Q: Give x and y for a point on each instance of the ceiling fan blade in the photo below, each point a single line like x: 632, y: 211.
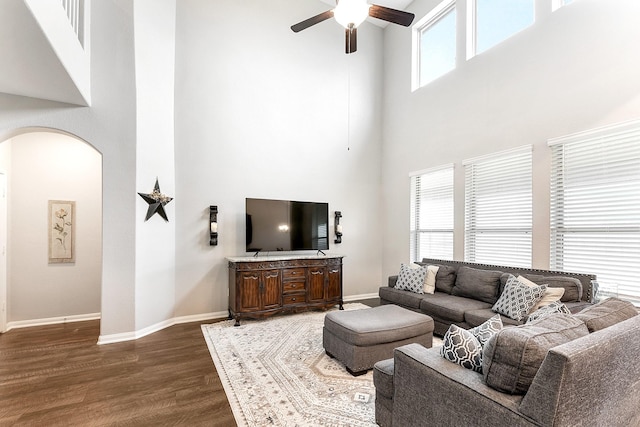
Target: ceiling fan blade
x: 312, y: 21
x: 391, y: 15
x: 351, y: 39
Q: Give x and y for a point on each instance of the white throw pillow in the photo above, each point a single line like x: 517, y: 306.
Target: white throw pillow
x: 430, y: 279
x: 549, y: 296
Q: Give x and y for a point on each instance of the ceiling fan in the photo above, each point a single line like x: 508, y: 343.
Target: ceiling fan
x: 351, y: 13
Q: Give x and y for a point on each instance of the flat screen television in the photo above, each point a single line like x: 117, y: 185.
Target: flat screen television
x: 286, y: 225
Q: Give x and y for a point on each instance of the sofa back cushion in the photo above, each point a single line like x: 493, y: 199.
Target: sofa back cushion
x: 572, y: 286
x: 607, y: 313
x: 513, y: 356
x: 445, y: 278
x: 482, y: 285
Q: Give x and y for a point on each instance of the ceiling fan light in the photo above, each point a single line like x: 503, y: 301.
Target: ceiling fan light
x: 351, y: 12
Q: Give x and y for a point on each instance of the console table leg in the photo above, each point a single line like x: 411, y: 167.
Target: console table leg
x: 237, y: 322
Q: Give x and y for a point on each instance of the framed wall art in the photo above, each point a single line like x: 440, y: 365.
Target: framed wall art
x: 62, y: 231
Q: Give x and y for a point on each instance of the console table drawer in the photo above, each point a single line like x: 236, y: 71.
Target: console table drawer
x: 293, y: 299
x: 293, y: 273
x: 289, y: 287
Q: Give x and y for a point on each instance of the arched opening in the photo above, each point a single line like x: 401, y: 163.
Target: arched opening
x: 39, y: 284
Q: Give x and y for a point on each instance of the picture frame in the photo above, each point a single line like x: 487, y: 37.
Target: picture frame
x: 62, y: 231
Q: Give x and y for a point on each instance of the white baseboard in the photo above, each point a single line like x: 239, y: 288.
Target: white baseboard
x: 52, y: 321
x: 129, y: 336
x: 360, y: 297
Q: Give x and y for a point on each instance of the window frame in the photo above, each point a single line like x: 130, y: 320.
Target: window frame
x: 472, y: 29
x: 612, y: 242
x: 487, y: 210
x: 415, y: 228
x: 429, y: 20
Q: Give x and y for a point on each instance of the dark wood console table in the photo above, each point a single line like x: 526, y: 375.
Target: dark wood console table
x: 263, y: 286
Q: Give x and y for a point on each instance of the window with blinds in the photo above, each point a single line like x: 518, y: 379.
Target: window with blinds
x: 595, y: 207
x: 498, y: 208
x: 432, y: 214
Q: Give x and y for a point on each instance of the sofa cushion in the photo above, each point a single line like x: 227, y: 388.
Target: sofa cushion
x: 518, y: 298
x: 487, y: 329
x: 533, y: 277
x: 404, y: 298
x: 445, y: 278
x: 547, y: 310
x: 513, y: 356
x: 476, y: 317
x: 482, y: 285
x: 411, y: 278
x: 449, y: 308
x: 607, y: 313
x: 383, y: 377
x: 572, y: 286
x: 462, y: 347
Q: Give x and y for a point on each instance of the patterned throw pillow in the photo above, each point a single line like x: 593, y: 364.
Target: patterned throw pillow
x: 550, y: 295
x: 411, y: 279
x: 517, y: 299
x: 554, y: 307
x: 488, y: 329
x: 461, y: 347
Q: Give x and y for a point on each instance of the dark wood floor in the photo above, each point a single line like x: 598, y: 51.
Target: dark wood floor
x: 58, y: 376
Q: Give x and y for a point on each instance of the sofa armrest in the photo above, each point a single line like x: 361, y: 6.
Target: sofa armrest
x: 430, y: 390
x: 392, y: 281
x: 593, y: 380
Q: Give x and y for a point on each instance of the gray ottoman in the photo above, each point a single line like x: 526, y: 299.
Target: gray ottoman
x: 360, y: 338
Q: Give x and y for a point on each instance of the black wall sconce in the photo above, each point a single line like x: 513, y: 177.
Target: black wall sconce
x: 213, y: 221
x: 338, y: 227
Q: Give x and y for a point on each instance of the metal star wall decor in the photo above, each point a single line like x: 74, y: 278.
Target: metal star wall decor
x: 156, y: 201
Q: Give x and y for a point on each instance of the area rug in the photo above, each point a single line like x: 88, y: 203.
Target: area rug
x: 276, y: 373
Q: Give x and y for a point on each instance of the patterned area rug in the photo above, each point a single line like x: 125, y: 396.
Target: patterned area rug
x: 276, y: 373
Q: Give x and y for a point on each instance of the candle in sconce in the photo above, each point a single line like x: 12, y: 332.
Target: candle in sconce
x: 214, y: 227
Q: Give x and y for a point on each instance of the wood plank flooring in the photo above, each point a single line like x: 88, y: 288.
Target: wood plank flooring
x: 58, y: 376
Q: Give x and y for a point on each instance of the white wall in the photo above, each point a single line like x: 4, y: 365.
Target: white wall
x: 109, y: 126
x: 48, y: 166
x: 573, y: 70
x: 155, y: 238
x: 262, y: 112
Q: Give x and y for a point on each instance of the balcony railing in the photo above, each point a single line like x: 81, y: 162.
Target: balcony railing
x: 75, y: 13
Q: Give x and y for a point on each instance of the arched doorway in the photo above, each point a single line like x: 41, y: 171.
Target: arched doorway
x: 40, y: 287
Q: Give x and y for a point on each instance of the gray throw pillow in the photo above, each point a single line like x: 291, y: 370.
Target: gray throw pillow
x: 481, y: 285
x: 518, y: 299
x: 512, y: 357
x: 607, y: 313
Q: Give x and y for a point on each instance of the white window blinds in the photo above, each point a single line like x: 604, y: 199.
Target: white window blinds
x: 498, y: 208
x: 595, y: 207
x: 432, y: 214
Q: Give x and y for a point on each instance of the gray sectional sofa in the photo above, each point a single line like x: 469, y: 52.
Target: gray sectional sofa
x: 559, y: 371
x: 465, y: 292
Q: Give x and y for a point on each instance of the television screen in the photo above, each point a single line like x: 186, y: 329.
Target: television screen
x: 284, y: 225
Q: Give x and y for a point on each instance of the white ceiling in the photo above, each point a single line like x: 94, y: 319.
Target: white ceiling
x: 394, y: 4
